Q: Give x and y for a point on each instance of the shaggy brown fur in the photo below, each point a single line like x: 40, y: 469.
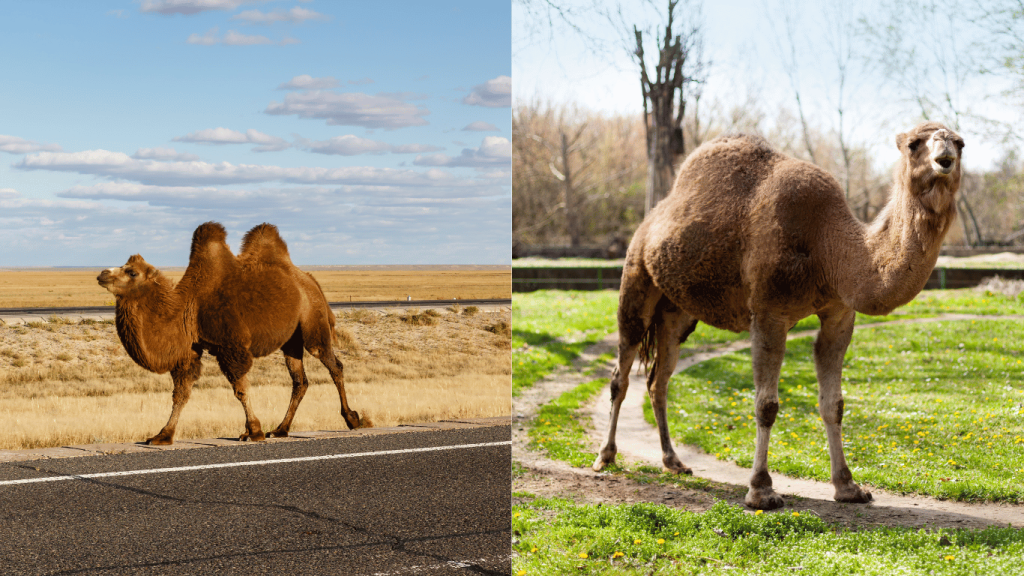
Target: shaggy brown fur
x: 751, y: 239
x: 235, y: 308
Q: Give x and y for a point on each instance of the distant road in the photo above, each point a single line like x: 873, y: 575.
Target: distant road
x: 391, y: 504
x: 91, y: 310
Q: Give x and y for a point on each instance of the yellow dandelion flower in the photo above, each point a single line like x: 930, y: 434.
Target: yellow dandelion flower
x: 637, y: 541
x: 759, y: 512
x: 796, y: 513
x: 583, y: 555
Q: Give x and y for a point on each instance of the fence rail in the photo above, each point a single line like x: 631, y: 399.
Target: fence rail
x: 601, y: 278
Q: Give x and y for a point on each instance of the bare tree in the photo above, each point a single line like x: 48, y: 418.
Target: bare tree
x: 785, y: 38
x: 664, y: 87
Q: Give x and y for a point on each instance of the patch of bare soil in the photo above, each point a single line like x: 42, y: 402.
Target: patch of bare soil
x: 637, y: 441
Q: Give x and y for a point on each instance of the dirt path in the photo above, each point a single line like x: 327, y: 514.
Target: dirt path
x: 638, y: 442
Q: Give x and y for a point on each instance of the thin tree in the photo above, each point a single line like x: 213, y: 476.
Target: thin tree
x: 664, y: 98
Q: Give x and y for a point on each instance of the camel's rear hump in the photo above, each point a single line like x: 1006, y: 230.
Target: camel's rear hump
x: 263, y: 244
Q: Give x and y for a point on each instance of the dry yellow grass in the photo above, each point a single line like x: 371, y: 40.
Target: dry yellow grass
x: 41, y: 288
x: 63, y: 384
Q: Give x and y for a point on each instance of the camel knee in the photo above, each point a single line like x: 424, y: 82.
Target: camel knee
x: 766, y: 412
x: 832, y: 412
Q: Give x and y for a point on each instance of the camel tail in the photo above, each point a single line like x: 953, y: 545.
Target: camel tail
x: 648, y: 348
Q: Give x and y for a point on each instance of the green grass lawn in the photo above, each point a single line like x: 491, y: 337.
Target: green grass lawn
x: 931, y: 409
x: 934, y: 409
x: 550, y: 328
x: 559, y: 537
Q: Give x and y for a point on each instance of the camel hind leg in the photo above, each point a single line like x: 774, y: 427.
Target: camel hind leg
x: 637, y: 299
x: 184, y: 376
x: 318, y: 342
x: 673, y: 326
x: 293, y: 361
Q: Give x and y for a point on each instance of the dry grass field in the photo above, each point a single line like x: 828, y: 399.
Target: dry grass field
x: 45, y: 287
x: 72, y: 383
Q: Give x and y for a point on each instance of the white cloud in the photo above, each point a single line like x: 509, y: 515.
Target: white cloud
x: 233, y: 38
x: 163, y: 154
x: 188, y: 7
x: 7, y: 193
x: 494, y: 152
x: 266, y: 142
x: 208, y: 39
x: 495, y: 93
x: 15, y: 145
x: 415, y: 148
x: 351, y: 109
x: 361, y: 81
x: 307, y: 82
x: 351, y: 145
x: 481, y: 126
x: 348, y: 145
x: 296, y: 16
x: 121, y: 166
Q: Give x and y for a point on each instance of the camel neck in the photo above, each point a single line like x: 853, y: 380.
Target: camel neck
x: 902, y: 246
x: 157, y: 313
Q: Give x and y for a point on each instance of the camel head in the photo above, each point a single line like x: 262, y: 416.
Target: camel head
x: 129, y: 279
x: 930, y: 166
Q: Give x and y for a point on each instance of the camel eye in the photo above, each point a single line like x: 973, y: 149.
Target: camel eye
x: 914, y: 145
x: 133, y: 273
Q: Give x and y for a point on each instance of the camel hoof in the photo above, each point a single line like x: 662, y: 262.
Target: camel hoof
x: 853, y: 495
x: 352, y: 420
x: 673, y: 465
x: 763, y: 499
x: 160, y: 440
x: 278, y: 433
x: 257, y: 437
x: 604, y: 458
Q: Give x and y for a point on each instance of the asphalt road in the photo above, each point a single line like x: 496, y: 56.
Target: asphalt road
x: 434, y: 504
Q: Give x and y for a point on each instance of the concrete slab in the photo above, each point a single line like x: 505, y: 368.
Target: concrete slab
x: 113, y: 448
x: 445, y: 425
x: 59, y: 452
x: 493, y: 421
x: 16, y: 456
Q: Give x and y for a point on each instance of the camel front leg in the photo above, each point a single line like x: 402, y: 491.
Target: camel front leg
x: 235, y: 364
x: 184, y: 377
x: 674, y: 327
x: 829, y: 350
x: 768, y: 347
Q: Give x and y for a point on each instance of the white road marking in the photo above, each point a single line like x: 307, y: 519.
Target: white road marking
x: 250, y: 463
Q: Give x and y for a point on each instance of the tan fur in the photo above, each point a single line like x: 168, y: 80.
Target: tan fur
x: 235, y: 308
x: 751, y: 239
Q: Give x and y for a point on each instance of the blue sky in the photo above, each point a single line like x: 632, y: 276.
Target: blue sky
x: 369, y: 133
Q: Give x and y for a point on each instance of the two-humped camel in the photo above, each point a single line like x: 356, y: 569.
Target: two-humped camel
x: 751, y: 239
x: 235, y: 308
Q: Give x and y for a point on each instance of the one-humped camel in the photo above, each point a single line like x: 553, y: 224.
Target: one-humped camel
x: 235, y: 308
x: 751, y: 239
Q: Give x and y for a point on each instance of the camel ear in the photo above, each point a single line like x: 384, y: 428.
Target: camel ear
x: 901, y: 141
